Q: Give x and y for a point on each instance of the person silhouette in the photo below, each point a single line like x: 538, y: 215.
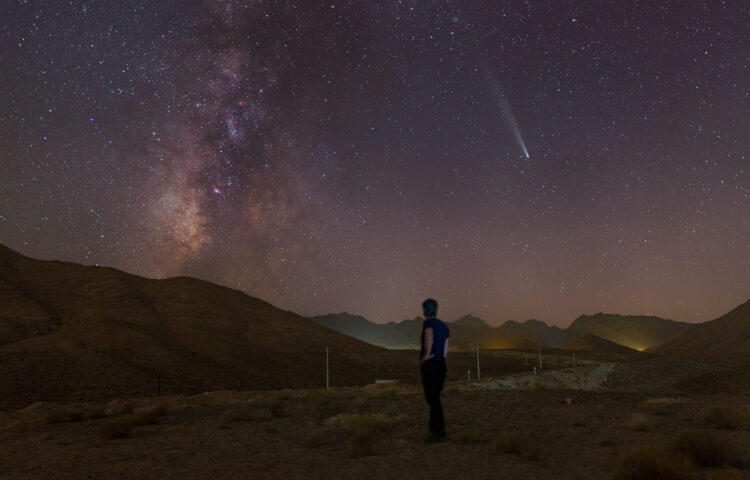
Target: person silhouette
x: 434, y: 341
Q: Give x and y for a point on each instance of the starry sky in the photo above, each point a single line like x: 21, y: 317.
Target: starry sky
x: 512, y: 159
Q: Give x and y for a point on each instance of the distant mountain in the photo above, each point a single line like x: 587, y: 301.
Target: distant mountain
x: 633, y: 331
x: 726, y: 336
x: 470, y: 321
x: 593, y: 343
x: 537, y: 330
x: 69, y: 328
x: 468, y: 331
x: 393, y: 335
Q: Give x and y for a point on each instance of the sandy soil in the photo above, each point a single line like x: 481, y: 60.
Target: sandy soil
x: 566, y: 432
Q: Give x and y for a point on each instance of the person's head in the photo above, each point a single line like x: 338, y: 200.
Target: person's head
x: 429, y: 307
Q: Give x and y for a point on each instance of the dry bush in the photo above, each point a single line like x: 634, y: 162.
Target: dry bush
x: 279, y: 409
x: 21, y: 426
x: 96, y: 413
x: 123, y: 427
x: 314, y: 440
x: 118, y: 428
x: 126, y: 408
x: 705, y: 446
x: 639, y: 422
x: 452, y: 390
x: 653, y: 462
x: 246, y: 413
x: 725, y: 474
x: 76, y: 415
x: 723, y: 418
x: 57, y: 416
x: 662, y: 410
x: 471, y: 436
x: 388, y: 392
x: 270, y: 428
x: 151, y: 416
x: 362, y: 430
x: 517, y: 443
x: 327, y: 408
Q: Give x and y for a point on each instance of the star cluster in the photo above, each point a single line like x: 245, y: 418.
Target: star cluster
x: 514, y: 160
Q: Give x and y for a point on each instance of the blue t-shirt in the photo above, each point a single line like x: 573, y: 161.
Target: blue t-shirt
x: 440, y: 333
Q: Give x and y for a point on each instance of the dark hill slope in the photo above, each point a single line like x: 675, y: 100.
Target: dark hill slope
x: 726, y: 336
x: 592, y: 343
x: 634, y: 331
x: 74, y: 332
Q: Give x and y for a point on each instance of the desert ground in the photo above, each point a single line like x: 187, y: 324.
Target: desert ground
x: 639, y: 417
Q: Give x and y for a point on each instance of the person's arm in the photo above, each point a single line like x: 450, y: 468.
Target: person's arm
x: 428, y: 339
x: 445, y: 350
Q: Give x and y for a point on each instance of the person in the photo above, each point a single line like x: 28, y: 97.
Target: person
x: 434, y: 340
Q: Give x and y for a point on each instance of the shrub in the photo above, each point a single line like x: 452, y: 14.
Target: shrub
x: 96, y: 413
x: 704, y: 446
x: 638, y: 422
x: 653, y: 462
x: 151, y: 416
x: 58, y: 416
x: 279, y: 410
x: 123, y: 427
x: 246, y: 413
x: 388, y: 392
x: 75, y: 415
x: 471, y: 436
x: 518, y: 443
x: 126, y: 408
x: 315, y: 439
x: 327, y: 408
x: 723, y: 419
x: 362, y: 429
x: 118, y: 428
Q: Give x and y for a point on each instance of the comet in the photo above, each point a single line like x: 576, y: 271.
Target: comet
x: 502, y: 102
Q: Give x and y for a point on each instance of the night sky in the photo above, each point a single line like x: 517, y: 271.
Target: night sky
x: 512, y: 159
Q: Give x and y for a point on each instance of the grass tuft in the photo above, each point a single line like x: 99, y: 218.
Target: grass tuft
x: 653, y: 462
x: 707, y: 447
x: 471, y: 436
x: 388, y: 393
x: 516, y: 443
x: 639, y: 422
x: 362, y: 430
x: 123, y: 427
x: 723, y: 418
x: 57, y: 416
x: 315, y: 440
x: 151, y: 416
x: 279, y: 410
x: 118, y: 428
x: 246, y: 413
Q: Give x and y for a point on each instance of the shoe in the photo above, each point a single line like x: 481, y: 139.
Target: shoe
x: 436, y: 437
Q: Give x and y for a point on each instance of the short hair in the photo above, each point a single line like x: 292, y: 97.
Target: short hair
x: 429, y: 307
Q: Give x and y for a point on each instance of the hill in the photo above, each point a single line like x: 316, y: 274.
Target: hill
x: 726, y: 336
x: 470, y: 321
x: 634, y: 331
x: 69, y: 331
x: 392, y: 335
x: 537, y: 330
x: 466, y: 332
x: 592, y: 343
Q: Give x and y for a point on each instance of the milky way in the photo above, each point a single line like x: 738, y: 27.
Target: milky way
x: 355, y: 156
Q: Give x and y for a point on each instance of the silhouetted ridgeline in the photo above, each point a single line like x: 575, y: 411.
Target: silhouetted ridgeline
x: 726, y: 336
x: 632, y: 331
x: 75, y: 332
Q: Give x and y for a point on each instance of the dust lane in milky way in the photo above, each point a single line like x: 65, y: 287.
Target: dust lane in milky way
x: 354, y: 156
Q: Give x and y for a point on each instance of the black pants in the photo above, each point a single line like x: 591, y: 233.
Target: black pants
x: 433, y: 377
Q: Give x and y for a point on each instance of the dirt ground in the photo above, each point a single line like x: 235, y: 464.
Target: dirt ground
x: 535, y: 430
